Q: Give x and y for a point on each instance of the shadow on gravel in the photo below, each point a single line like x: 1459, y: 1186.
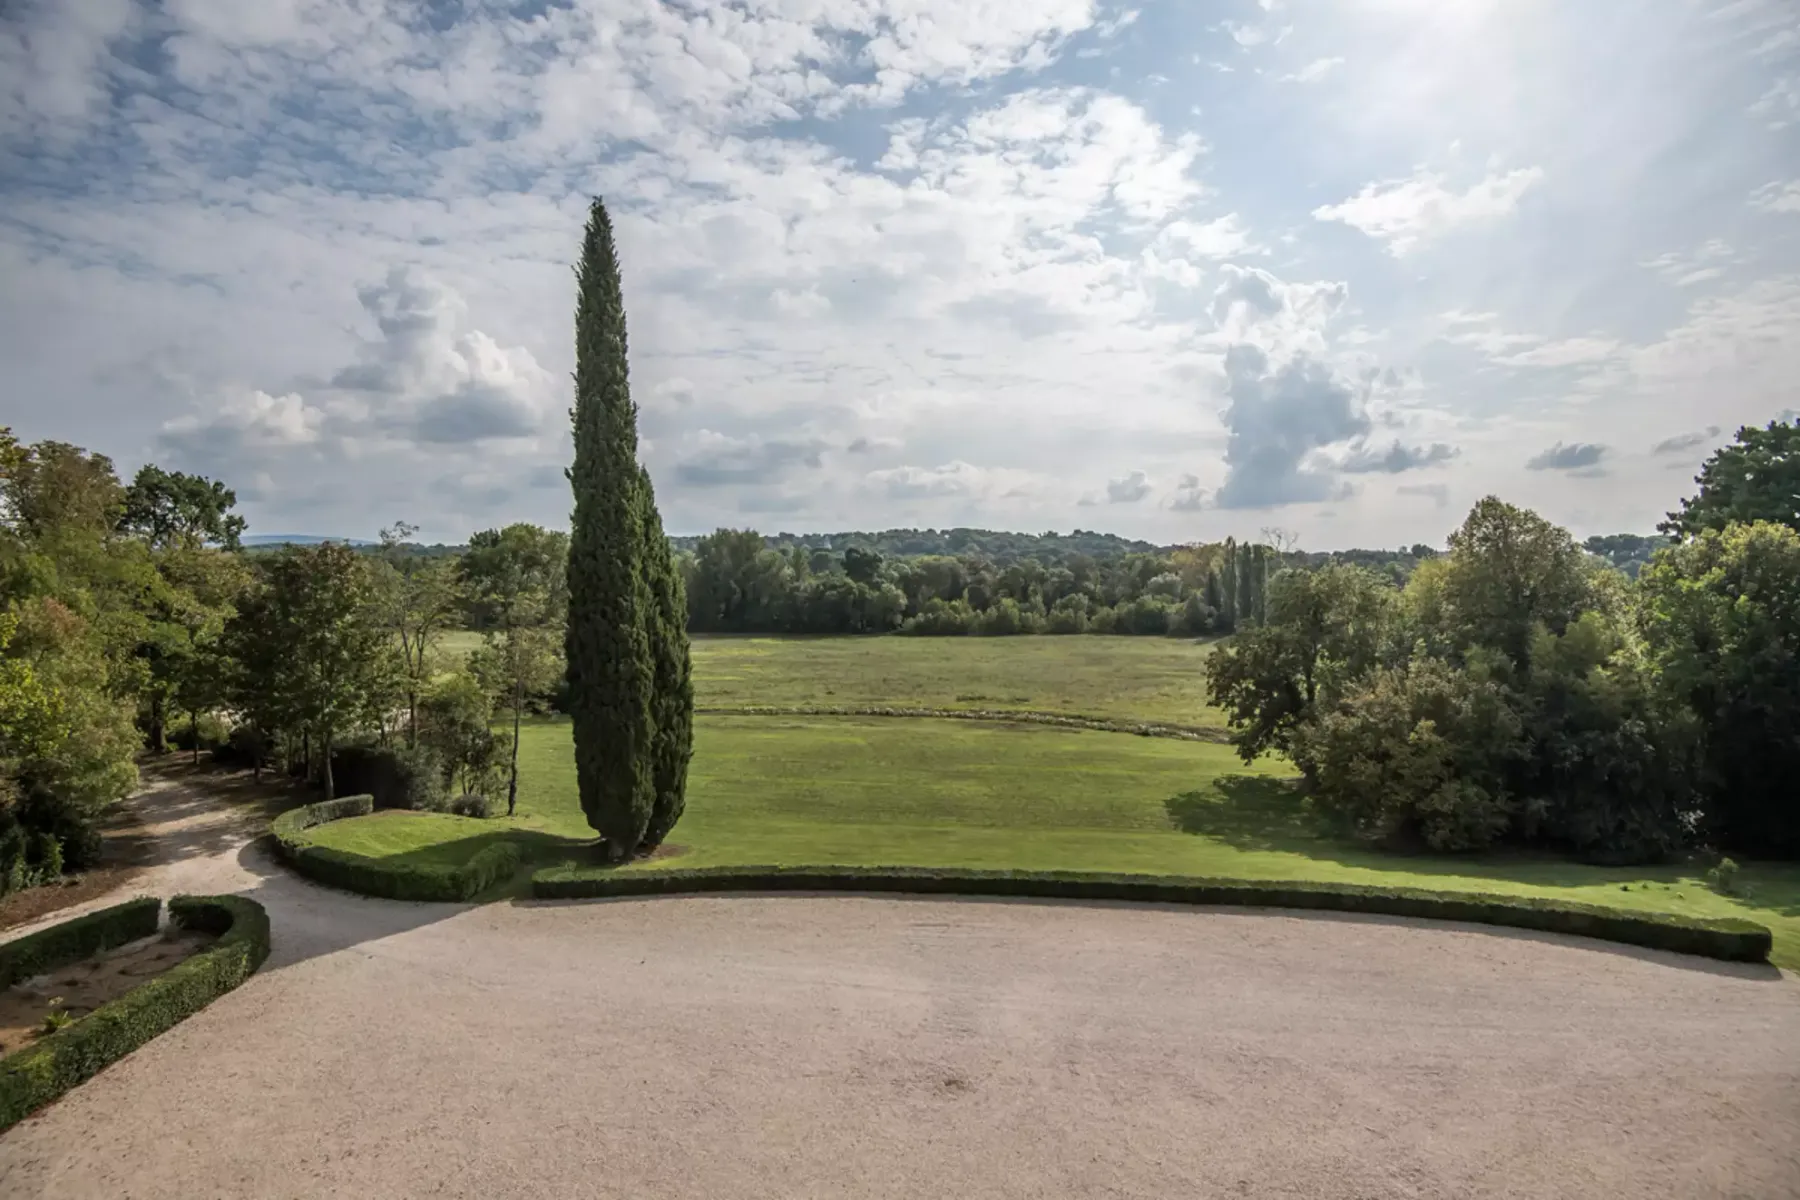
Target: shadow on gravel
x: 1760, y: 972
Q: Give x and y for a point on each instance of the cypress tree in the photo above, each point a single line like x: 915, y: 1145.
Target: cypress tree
x: 1246, y: 584
x: 673, y: 706
x: 611, y: 667
x: 1229, y: 582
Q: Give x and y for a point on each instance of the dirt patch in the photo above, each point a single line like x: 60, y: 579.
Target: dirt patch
x: 79, y: 988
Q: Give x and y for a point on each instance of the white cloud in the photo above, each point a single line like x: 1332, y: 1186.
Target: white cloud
x: 1777, y: 197
x: 1313, y: 71
x: 1405, y: 213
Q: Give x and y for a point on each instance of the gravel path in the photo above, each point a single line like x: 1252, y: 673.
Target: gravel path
x: 795, y: 1046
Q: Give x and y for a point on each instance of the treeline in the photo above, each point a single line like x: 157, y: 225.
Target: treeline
x: 1520, y: 691
x: 997, y: 546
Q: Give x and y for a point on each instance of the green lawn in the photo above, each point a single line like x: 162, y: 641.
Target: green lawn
x: 1123, y: 678
x: 917, y: 792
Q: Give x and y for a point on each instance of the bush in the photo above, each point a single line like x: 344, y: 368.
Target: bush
x: 40, y: 1073
x: 71, y: 941
x: 212, y: 731
x: 1723, y: 878
x: 375, y: 877
x: 1724, y: 938
x: 245, y: 746
x: 41, y: 836
x: 395, y: 776
x: 472, y: 804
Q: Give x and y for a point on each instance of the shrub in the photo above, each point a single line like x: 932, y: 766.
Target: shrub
x: 1724, y: 938
x: 245, y: 746
x: 40, y: 1073
x: 375, y: 877
x: 472, y: 804
x: 395, y: 776
x: 211, y: 730
x: 1723, y: 878
x: 71, y: 941
x: 42, y: 811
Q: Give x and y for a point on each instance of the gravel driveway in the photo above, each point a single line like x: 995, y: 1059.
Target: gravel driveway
x: 803, y: 1046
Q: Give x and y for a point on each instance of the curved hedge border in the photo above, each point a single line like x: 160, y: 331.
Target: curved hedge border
x: 375, y: 877
x: 70, y: 941
x: 32, y: 1077
x: 1018, y: 716
x: 1727, y: 938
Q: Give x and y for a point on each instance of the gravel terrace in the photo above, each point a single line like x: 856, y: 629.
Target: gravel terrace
x: 807, y: 1046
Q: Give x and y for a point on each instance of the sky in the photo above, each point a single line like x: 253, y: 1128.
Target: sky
x: 1173, y: 270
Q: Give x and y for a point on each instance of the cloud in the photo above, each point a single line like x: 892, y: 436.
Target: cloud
x: 1406, y: 213
x: 1778, y: 197
x: 953, y: 479
x: 1396, y: 458
x: 1128, y: 490
x: 1708, y: 261
x: 1313, y: 71
x: 864, y: 444
x: 1684, y: 442
x: 1575, y: 456
x: 1188, y: 495
x: 1277, y: 416
x: 718, y: 459
x: 1437, y: 493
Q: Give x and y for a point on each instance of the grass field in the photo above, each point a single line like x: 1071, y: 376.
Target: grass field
x: 921, y: 792
x: 1121, y: 678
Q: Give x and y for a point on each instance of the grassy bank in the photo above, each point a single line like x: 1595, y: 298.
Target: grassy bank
x: 872, y: 792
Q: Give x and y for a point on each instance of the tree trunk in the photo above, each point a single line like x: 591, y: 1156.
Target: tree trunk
x: 194, y: 731
x: 412, y: 719
x: 325, y: 740
x: 158, y: 742
x: 512, y: 783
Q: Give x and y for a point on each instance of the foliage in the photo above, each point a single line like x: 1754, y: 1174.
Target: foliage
x: 169, y: 509
x: 1756, y: 478
x: 1729, y: 939
x: 1723, y: 877
x: 419, y: 598
x: 73, y: 940
x: 471, y: 804
x: 396, y: 776
x: 35, y: 1076
x: 610, y: 663
x: 672, y: 705
x: 1721, y: 615
x: 517, y: 578
x: 310, y: 649
x: 1510, y: 571
x: 456, y: 723
x: 1324, y: 631
x: 1417, y: 754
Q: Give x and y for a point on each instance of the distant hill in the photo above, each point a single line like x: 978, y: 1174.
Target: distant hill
x: 996, y: 545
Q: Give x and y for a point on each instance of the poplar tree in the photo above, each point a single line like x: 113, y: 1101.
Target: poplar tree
x: 611, y: 663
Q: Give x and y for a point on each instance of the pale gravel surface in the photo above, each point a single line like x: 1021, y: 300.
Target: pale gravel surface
x: 793, y: 1046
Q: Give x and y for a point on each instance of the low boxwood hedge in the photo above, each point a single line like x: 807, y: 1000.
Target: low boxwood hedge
x: 71, y: 941
x: 380, y: 877
x: 1727, y: 938
x: 38, y: 1074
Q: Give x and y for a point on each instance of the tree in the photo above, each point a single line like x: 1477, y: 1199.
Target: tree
x: 1326, y: 630
x: 329, y: 659
x: 1757, y: 478
x: 1510, y: 571
x: 517, y: 577
x: 456, y: 724
x: 1721, y: 615
x: 673, y: 704
x: 420, y: 595
x: 168, y: 508
x: 610, y: 662
x: 1417, y: 753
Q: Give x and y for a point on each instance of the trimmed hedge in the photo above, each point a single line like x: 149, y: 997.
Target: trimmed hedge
x: 378, y: 877
x: 38, y: 1074
x: 1712, y: 937
x: 71, y: 941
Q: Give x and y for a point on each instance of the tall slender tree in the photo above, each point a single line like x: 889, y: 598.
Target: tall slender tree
x: 673, y: 707
x: 1228, y: 580
x: 610, y: 663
